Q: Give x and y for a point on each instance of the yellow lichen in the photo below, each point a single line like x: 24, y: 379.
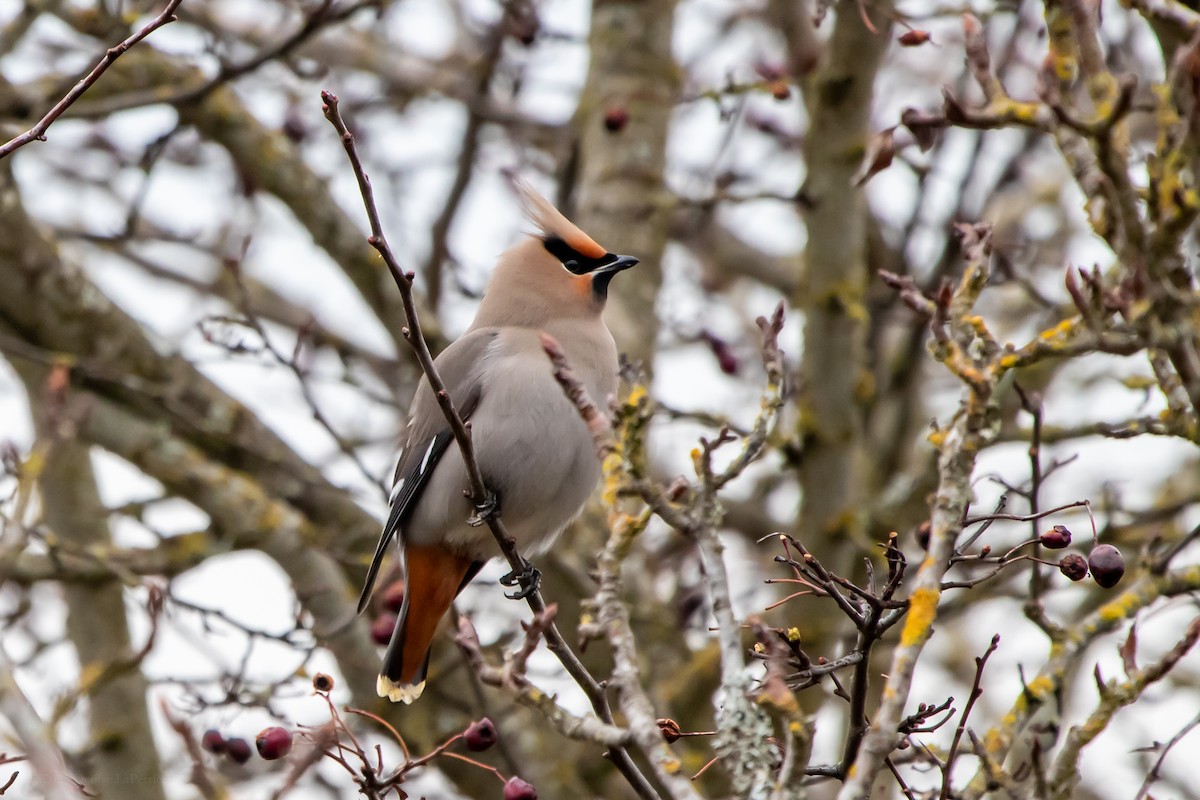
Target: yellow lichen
x: 612, y: 478
x: 91, y: 673
x: 1063, y: 53
x: 1061, y: 329
x: 636, y: 395
x: 1014, y: 110
x: 993, y: 742
x: 1119, y: 608
x: 922, y: 608
x: 1040, y: 687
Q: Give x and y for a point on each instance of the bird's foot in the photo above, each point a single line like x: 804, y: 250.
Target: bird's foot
x: 528, y: 578
x: 484, y: 511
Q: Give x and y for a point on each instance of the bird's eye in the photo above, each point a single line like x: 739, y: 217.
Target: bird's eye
x: 572, y: 265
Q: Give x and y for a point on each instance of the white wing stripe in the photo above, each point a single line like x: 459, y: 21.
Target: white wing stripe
x: 425, y: 460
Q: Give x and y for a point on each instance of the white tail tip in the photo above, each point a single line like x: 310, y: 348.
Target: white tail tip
x: 398, y: 692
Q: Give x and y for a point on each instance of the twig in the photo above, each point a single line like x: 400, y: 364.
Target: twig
x: 40, y: 749
x: 1152, y: 775
x: 626, y: 675
x: 321, y: 740
x: 613, y: 616
x: 742, y: 726
x: 817, y: 670
x: 598, y: 424
x: 485, y: 72
x: 292, y: 363
x: 1114, y: 697
x: 199, y: 775
x: 1033, y: 406
x: 919, y: 722
x: 891, y: 765
x: 588, y: 729
x: 1169, y: 11
x: 313, y: 22
x: 1026, y: 517
x: 38, y: 131
x: 976, y: 691
x: 960, y: 442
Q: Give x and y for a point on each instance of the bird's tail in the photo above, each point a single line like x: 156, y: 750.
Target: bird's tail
x: 434, y: 577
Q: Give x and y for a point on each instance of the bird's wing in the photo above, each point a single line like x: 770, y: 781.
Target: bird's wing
x: 428, y: 435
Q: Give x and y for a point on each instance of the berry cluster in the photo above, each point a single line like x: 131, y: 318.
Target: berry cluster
x: 481, y: 735
x: 1105, y: 562
x: 272, y: 743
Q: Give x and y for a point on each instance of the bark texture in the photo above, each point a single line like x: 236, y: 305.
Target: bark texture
x: 836, y: 378
x: 621, y: 199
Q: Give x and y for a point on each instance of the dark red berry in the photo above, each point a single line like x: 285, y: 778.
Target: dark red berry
x: 294, y: 126
x: 1056, y: 538
x: 1073, y: 566
x: 517, y: 789
x: 529, y: 36
x: 480, y: 735
x: 615, y: 119
x: 669, y: 729
x: 323, y: 683
x: 213, y: 741
x: 273, y: 743
x: 913, y: 38
x: 727, y: 360
x: 238, y: 750
x: 393, y: 596
x: 382, y: 627
x: 1107, y: 565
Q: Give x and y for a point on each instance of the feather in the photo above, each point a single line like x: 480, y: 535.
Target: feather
x: 427, y: 438
x: 550, y: 221
x: 434, y: 577
x: 404, y: 493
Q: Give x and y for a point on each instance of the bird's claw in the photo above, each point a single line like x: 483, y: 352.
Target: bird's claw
x: 483, y: 511
x: 528, y: 578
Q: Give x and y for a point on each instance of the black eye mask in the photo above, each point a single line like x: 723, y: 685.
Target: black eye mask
x: 575, y: 261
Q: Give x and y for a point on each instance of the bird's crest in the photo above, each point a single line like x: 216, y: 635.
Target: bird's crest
x: 550, y: 221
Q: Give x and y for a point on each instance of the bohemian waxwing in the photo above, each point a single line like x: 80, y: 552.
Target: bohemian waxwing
x: 535, y: 452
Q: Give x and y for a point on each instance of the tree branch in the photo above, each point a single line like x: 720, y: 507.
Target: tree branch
x: 38, y: 131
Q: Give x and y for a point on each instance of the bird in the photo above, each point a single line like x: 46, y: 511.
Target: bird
x: 534, y: 451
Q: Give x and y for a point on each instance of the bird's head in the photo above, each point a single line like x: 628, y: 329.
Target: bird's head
x: 558, y: 271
